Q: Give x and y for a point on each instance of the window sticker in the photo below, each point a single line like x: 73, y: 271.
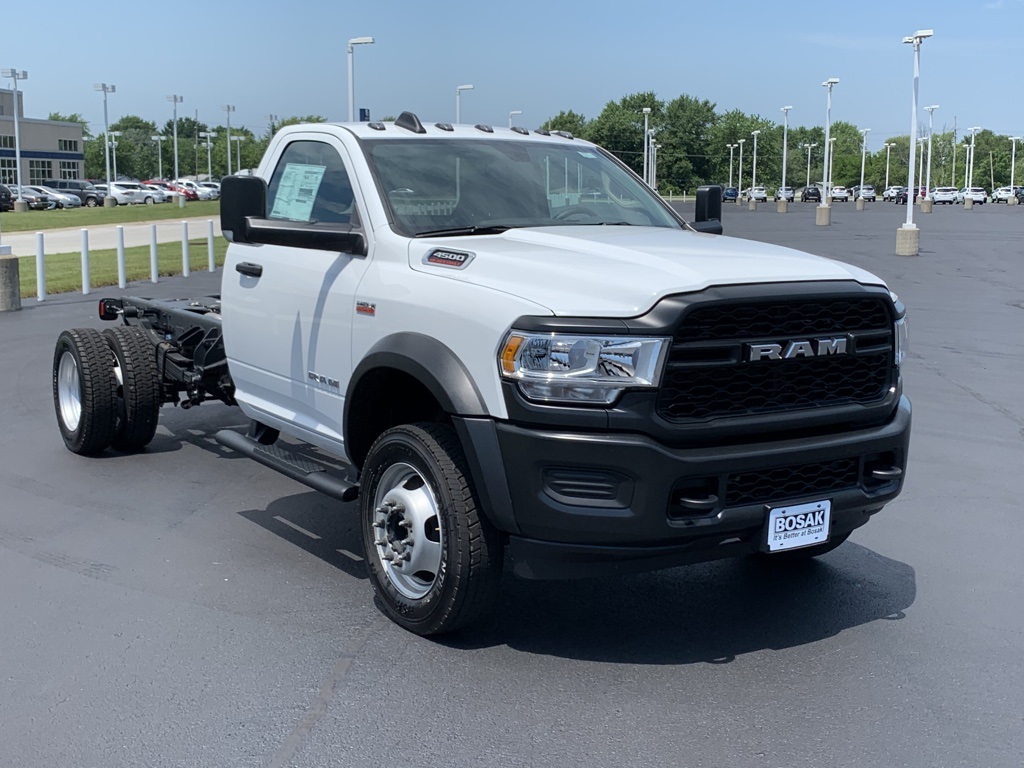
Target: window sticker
x: 297, y: 191
x: 589, y: 155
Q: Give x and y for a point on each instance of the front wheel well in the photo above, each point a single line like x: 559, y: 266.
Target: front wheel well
x: 384, y: 398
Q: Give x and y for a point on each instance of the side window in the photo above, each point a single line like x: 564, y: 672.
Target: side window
x: 310, y: 184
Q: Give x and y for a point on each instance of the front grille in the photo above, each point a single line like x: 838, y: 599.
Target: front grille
x: 706, y: 375
x: 767, y: 485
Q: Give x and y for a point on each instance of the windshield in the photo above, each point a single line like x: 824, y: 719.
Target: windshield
x: 452, y: 186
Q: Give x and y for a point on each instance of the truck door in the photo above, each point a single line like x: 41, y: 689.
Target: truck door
x: 288, y: 312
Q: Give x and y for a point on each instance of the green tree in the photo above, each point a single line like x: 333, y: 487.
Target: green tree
x: 620, y: 127
x: 570, y: 121
x: 74, y: 117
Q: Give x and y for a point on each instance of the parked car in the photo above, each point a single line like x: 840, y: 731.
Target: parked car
x: 37, y: 201
x: 124, y: 193
x: 810, y: 195
x: 977, y: 194
x: 160, y: 195
x: 215, y: 187
x: 757, y: 194
x: 201, y: 193
x: 1002, y: 194
x: 1018, y: 192
x: 59, y: 199
x: 784, y: 193
x: 840, y: 193
x: 730, y: 194
x: 84, y: 190
x: 945, y: 195
x: 6, y: 199
x: 891, y: 192
x: 867, y: 192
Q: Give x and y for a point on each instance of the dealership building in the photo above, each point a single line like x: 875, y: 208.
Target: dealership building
x: 50, y: 149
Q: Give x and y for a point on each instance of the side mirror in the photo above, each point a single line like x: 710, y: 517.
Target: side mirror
x: 708, y: 210
x: 241, y: 197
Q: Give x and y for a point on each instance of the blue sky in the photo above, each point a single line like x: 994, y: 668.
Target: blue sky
x: 540, y: 57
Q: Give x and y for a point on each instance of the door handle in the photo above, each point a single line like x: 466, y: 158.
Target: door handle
x: 248, y: 268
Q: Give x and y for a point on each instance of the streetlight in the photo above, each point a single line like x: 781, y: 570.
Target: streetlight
x: 863, y: 158
x: 731, y: 148
x: 1013, y: 165
x: 229, y: 109
x: 826, y: 196
x: 273, y: 122
x: 753, y: 176
x: 831, y: 162
x: 785, y: 145
x: 809, y: 147
x: 458, y: 100
x: 108, y: 201
x: 238, y: 150
x: 967, y: 161
x: 888, y: 153
x: 512, y: 114
x: 908, y: 236
x: 970, y: 175
x: 16, y: 75
x: 739, y: 174
x: 176, y: 100
x: 351, y: 81
x: 209, y: 165
x: 928, y: 178
x: 113, y: 146
x: 920, y: 167
x: 159, y: 139
x: 654, y: 164
x: 647, y: 114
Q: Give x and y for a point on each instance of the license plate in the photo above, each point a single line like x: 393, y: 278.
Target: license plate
x: 800, y: 525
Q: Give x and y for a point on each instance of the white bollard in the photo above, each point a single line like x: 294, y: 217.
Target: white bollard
x: 154, y: 266
x: 86, y: 289
x: 185, y: 271
x: 122, y: 270
x: 40, y: 268
x: 212, y: 262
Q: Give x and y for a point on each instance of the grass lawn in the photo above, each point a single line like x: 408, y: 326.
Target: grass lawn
x: 38, y: 221
x: 64, y: 271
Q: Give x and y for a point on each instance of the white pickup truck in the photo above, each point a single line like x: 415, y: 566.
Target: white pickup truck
x: 504, y: 345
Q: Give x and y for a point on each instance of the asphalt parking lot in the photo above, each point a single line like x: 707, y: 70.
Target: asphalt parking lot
x: 187, y: 607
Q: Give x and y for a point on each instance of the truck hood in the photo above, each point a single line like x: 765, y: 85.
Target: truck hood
x: 613, y: 271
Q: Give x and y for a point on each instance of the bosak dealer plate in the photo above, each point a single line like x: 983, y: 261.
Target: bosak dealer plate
x: 800, y: 525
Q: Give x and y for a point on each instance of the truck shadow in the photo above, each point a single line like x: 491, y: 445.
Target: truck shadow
x: 711, y: 613
x: 334, y: 524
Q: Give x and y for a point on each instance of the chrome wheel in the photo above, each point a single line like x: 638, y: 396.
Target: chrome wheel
x: 69, y: 391
x: 407, y: 531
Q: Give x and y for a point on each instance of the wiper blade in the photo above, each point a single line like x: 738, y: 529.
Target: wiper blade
x: 495, y: 229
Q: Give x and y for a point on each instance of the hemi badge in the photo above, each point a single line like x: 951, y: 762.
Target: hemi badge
x: 443, y: 258
x: 366, y: 308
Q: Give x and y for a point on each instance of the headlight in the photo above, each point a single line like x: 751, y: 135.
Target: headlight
x: 555, y: 367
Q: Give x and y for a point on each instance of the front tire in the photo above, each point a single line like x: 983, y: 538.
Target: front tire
x: 434, y: 560
x: 84, y: 390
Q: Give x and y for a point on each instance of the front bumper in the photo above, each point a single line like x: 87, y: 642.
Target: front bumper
x: 589, y: 503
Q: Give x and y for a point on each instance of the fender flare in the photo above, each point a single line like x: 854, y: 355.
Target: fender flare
x: 429, y: 361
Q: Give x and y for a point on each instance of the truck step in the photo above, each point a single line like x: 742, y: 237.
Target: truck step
x: 299, y: 468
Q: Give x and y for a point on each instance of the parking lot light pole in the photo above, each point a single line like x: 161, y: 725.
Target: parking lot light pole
x: 1012, y: 200
x: 159, y: 139
x: 238, y: 151
x: 176, y: 100
x: 739, y: 174
x: 967, y: 162
x: 512, y: 114
x: 458, y: 100
x: 823, y: 215
x: 970, y: 173
x: 863, y: 159
x: 16, y: 75
x: 908, y: 237
x: 753, y: 173
x: 229, y: 109
x: 114, y: 136
x: 809, y: 148
x: 785, y: 150
x: 928, y: 173
x: 108, y: 201
x: 647, y: 114
x: 731, y: 148
x: 351, y: 78
x: 888, y: 153
x: 208, y: 135
x: 831, y: 161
